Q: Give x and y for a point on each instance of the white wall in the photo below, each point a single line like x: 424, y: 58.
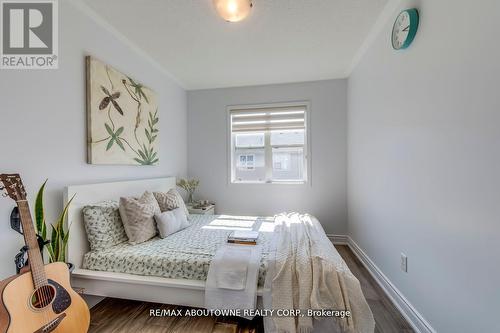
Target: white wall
x: 424, y: 162
x: 42, y: 117
x: 207, y: 152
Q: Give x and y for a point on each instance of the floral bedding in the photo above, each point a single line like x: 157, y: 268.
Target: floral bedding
x: 184, y: 255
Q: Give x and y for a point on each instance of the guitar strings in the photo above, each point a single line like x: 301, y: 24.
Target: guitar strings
x: 39, y: 292
x: 35, y: 274
x: 44, y: 300
x: 43, y: 293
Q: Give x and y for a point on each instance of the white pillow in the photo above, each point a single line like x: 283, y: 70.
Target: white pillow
x: 181, y: 217
x: 170, y: 222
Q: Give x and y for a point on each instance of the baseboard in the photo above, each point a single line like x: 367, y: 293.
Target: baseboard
x: 338, y: 239
x: 414, y: 318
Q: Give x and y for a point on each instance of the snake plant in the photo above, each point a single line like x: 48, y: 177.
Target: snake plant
x: 59, y: 235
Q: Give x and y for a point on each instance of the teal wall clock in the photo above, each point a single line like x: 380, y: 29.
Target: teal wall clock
x: 405, y: 29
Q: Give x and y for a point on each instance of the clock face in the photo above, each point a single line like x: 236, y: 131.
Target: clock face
x: 405, y: 29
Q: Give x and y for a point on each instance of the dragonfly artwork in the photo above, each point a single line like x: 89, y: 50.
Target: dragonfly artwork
x: 110, y: 98
x: 122, y: 118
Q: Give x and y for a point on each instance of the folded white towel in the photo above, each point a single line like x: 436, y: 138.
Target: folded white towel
x: 232, y: 277
x: 231, y: 271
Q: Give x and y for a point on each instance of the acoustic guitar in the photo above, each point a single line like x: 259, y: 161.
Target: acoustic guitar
x: 41, y: 300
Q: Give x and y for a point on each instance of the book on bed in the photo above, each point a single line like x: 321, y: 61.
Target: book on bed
x: 243, y: 237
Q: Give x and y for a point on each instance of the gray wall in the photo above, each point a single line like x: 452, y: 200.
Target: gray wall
x: 424, y: 162
x: 207, y: 152
x: 42, y: 121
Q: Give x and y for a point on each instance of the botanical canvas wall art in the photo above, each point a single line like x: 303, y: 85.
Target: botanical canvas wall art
x: 122, y: 118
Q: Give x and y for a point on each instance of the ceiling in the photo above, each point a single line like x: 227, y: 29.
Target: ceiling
x: 281, y: 40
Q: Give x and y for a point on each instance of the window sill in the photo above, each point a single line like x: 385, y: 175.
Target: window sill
x: 302, y: 182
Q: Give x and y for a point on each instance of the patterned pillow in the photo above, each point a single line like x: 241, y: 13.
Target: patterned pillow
x: 138, y: 217
x: 103, y: 225
x: 170, y: 201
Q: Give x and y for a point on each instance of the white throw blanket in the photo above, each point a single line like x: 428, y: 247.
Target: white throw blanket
x: 307, y: 272
x: 232, y: 277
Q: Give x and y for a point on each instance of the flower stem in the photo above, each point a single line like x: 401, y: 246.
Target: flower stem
x: 109, y: 116
x: 101, y: 140
x: 128, y: 144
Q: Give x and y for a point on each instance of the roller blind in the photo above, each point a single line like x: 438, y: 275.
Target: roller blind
x: 265, y: 119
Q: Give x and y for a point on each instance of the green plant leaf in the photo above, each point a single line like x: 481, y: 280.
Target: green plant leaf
x: 131, y: 81
x: 41, y: 228
x: 139, y: 90
x: 119, y: 131
x: 142, y: 154
x: 110, y: 131
x: 57, y: 242
x: 64, y: 214
x: 50, y: 251
x: 110, y: 143
x: 119, y: 143
x: 58, y: 232
x: 147, y: 135
x: 54, y: 242
x: 62, y: 254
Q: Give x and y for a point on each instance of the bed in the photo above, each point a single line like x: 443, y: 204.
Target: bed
x: 181, y: 289
x: 173, y: 270
x: 184, y: 255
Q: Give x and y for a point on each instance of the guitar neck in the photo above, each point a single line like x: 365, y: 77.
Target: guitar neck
x: 34, y: 255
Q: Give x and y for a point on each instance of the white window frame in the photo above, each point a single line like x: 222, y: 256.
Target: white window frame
x: 268, y: 148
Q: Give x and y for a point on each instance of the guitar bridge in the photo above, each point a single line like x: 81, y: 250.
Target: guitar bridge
x: 52, y: 325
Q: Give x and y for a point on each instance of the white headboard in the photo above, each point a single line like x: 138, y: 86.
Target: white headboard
x: 93, y: 193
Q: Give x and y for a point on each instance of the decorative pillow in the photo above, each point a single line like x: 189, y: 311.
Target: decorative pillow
x: 138, y: 217
x: 103, y: 225
x: 171, y: 200
x: 181, y: 216
x: 171, y: 221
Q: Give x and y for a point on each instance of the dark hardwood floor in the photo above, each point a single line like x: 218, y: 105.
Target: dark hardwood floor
x: 125, y: 316
x: 387, y: 317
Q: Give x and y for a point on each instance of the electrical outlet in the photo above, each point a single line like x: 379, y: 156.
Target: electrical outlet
x: 404, y: 262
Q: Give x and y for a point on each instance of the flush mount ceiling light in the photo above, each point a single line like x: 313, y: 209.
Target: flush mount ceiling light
x: 233, y: 10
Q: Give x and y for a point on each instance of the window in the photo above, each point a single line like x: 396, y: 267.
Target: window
x: 268, y: 145
x: 246, y: 162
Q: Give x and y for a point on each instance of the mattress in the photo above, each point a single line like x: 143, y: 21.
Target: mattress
x: 184, y: 255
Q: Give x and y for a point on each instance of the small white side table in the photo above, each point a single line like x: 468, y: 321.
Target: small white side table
x: 208, y: 210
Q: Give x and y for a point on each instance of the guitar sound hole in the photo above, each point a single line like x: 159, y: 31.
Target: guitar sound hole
x: 43, y: 296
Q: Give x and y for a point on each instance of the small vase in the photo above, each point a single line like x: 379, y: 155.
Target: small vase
x: 190, y: 198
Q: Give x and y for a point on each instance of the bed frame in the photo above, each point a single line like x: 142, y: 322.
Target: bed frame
x: 120, y: 285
